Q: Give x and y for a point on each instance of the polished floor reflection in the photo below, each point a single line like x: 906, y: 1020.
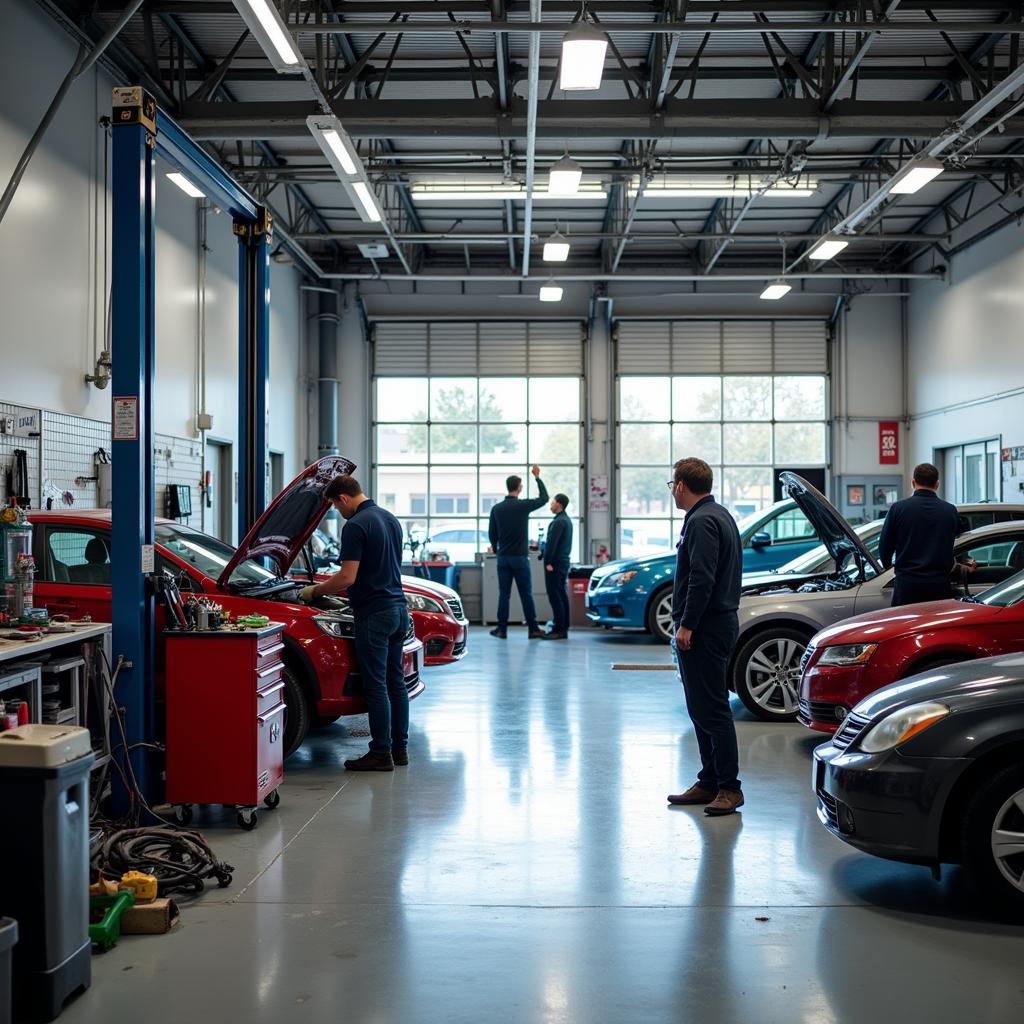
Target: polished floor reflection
x: 525, y: 867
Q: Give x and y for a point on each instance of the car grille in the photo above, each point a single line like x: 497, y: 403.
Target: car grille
x: 411, y: 632
x: 412, y: 681
x: 830, y: 807
x: 594, y: 583
x: 434, y: 648
x: 455, y: 606
x: 459, y: 649
x: 820, y: 711
x: 808, y: 651
x: 852, y: 728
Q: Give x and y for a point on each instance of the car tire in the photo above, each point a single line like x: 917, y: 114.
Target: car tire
x: 997, y: 808
x: 298, y: 716
x: 659, y: 615
x: 766, y: 673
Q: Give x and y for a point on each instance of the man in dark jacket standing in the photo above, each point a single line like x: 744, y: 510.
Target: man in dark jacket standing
x: 371, y: 572
x: 709, y: 564
x: 509, y: 535
x: 557, y: 552
x: 920, y: 532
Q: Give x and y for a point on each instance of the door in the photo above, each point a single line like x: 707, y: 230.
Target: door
x: 875, y: 594
x: 220, y: 498
x: 73, y: 577
x: 276, y: 474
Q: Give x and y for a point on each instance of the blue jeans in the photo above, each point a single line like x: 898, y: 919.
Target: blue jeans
x: 556, y: 582
x: 515, y: 567
x: 380, y: 637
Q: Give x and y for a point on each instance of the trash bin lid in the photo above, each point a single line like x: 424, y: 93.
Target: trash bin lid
x: 43, y: 746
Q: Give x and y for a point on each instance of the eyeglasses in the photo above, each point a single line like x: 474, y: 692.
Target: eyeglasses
x: 672, y: 484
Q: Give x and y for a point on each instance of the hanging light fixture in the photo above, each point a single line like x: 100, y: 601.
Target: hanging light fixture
x: 828, y: 248
x: 564, y: 177
x: 265, y: 22
x: 551, y: 292
x: 916, y: 175
x: 776, y: 290
x: 556, y: 248
x: 583, y: 51
x: 185, y: 185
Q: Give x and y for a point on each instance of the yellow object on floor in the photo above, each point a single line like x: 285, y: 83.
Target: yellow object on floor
x: 142, y: 885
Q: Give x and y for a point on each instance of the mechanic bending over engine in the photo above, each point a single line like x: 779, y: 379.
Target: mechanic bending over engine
x: 371, y: 572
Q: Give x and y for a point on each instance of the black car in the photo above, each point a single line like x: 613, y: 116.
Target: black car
x: 930, y: 770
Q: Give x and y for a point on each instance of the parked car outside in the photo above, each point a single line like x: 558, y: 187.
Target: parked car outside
x: 321, y: 675
x: 636, y: 593
x: 779, y: 616
x: 929, y: 771
x: 851, y: 660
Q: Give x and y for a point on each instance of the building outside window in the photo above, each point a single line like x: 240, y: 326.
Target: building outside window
x: 745, y: 427
x: 447, y: 445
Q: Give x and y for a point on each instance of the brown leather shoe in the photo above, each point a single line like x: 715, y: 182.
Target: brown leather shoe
x: 728, y: 801
x: 696, y: 794
x: 371, y: 762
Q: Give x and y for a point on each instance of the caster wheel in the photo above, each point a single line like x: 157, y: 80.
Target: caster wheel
x: 183, y: 814
x: 272, y: 799
x: 225, y: 881
x: 247, y: 820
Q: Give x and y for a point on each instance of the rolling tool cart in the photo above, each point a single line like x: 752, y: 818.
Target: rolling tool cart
x: 225, y: 719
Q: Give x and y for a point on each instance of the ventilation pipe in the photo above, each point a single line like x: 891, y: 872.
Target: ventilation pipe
x: 328, y: 384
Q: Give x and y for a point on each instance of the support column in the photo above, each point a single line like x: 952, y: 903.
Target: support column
x: 132, y: 349
x: 600, y: 378
x: 354, y: 440
x: 254, y: 244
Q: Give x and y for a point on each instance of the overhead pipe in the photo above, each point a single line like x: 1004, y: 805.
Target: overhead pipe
x: 641, y: 278
x: 531, y: 135
x: 328, y: 383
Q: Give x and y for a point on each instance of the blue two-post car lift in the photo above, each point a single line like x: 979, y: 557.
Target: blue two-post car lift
x: 140, y: 133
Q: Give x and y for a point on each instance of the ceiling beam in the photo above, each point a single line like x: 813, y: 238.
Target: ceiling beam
x: 569, y: 7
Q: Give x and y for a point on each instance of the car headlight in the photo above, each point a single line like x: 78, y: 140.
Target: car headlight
x: 339, y: 626
x: 618, y: 579
x: 847, y: 654
x: 419, y: 603
x: 901, y: 726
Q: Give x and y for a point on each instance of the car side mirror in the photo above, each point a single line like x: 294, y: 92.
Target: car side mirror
x: 761, y: 539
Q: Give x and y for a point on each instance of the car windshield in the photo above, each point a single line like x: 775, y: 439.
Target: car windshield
x: 1008, y: 592
x: 209, y: 555
x: 818, y: 559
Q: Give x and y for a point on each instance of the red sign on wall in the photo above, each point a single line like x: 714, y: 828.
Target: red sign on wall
x: 888, y: 444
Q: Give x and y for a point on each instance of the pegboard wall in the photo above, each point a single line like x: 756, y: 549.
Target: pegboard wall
x: 62, y: 461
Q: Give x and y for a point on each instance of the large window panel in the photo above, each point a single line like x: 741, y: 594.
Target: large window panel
x: 646, y: 537
x: 402, y: 442
x: 554, y: 400
x: 747, y: 443
x: 644, y: 492
x: 697, y: 398
x: 402, y: 398
x: 645, y: 444
x: 453, y: 442
x: 503, y: 442
x: 697, y: 440
x: 503, y: 399
x: 406, y: 487
x: 554, y: 443
x: 561, y: 480
x: 644, y: 399
x: 799, y: 444
x: 453, y: 399
x: 746, y: 489
x: 747, y: 398
x: 799, y: 398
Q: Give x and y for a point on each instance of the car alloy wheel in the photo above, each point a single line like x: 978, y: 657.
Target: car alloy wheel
x: 659, y: 615
x: 1007, y: 840
x: 766, y: 674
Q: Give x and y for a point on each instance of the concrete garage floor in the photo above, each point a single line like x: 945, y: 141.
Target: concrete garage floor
x: 526, y: 868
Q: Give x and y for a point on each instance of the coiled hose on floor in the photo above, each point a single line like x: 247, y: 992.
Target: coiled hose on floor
x: 181, y: 861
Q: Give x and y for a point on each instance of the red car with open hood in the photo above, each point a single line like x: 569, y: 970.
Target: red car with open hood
x: 321, y: 677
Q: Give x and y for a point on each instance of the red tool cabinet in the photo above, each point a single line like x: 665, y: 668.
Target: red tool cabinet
x: 225, y: 719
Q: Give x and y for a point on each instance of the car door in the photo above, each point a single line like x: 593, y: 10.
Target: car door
x: 777, y: 540
x: 996, y: 560
x: 875, y: 593
x: 73, y: 572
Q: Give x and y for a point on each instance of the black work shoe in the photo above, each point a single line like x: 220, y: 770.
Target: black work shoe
x: 371, y: 762
x: 400, y: 757
x: 500, y: 634
x: 536, y: 634
x: 556, y: 636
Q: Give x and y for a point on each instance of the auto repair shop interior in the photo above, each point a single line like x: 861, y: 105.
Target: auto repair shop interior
x: 253, y: 246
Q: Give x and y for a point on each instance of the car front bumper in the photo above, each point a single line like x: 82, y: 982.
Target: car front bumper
x: 888, y: 805
x: 617, y: 606
x: 828, y: 694
x: 444, y: 639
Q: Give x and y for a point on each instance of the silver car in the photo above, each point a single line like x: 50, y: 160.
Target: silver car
x: 778, y: 615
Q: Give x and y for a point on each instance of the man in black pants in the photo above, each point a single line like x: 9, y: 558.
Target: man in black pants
x: 557, y: 551
x: 508, y: 532
x: 921, y: 531
x: 371, y: 571
x: 709, y: 564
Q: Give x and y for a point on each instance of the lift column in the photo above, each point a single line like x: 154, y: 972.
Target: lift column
x: 132, y: 351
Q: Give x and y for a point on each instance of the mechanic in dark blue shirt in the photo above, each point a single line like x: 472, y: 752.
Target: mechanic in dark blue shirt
x: 920, y: 532
x: 557, y: 554
x: 705, y: 600
x: 508, y: 533
x: 371, y: 572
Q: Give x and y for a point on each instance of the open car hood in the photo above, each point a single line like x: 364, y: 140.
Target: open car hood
x: 290, y: 519
x: 832, y: 529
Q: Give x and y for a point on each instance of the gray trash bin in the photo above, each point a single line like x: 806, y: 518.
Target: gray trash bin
x: 44, y: 791
x: 8, y: 937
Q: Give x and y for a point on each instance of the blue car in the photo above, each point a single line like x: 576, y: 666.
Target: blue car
x: 636, y: 593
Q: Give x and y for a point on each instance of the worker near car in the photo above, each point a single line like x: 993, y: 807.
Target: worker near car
x: 371, y: 572
x: 919, y: 533
x: 508, y: 532
x: 705, y: 599
x: 557, y: 554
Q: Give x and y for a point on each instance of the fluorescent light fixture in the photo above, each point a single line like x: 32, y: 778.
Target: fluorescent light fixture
x: 266, y: 24
x: 776, y: 290
x: 367, y: 203
x: 828, y: 248
x: 481, y: 193
x: 583, y: 51
x: 723, y: 188
x: 915, y: 176
x: 335, y: 144
x: 564, y: 177
x: 551, y: 292
x: 339, y: 149
x: 556, y: 249
x: 185, y: 185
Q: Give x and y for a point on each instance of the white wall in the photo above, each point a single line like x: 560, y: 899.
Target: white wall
x: 51, y: 290
x: 966, y: 357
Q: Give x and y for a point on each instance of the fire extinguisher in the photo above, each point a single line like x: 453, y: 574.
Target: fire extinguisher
x: 208, y: 487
